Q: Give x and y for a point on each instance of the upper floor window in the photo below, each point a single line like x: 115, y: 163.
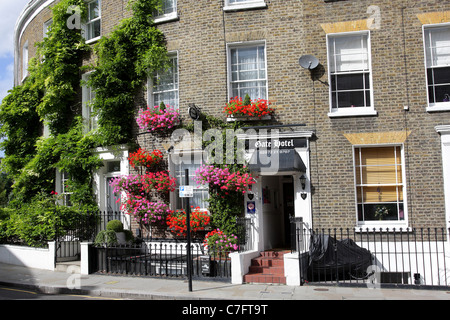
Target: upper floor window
x: 349, y: 71
x: 25, y: 60
x: 88, y: 95
x: 164, y: 86
x: 167, y: 12
x: 94, y: 18
x: 247, y: 71
x: 46, y: 27
x: 380, y: 185
x: 243, y: 4
x: 437, y: 55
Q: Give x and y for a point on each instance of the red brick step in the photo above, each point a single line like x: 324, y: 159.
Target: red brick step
x: 267, y: 268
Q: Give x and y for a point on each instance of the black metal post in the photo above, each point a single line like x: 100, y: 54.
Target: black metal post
x: 188, y: 233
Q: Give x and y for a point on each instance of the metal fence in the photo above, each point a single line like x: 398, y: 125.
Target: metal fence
x: 85, y: 228
x: 160, y: 258
x: 416, y: 256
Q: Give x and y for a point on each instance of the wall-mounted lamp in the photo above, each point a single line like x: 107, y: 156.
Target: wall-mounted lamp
x: 303, y: 181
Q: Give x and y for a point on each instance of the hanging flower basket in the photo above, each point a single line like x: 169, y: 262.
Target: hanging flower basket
x: 248, y: 110
x: 224, y: 179
x: 151, y: 182
x: 146, y: 212
x: 158, y: 120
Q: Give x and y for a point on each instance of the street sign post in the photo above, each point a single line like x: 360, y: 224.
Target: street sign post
x: 187, y: 192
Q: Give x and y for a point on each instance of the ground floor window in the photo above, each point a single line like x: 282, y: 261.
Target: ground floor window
x: 201, y: 192
x: 379, y: 185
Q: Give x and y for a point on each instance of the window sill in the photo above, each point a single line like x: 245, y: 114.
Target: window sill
x: 444, y: 106
x: 166, y: 18
x: 245, y: 6
x: 352, y: 112
x: 383, y: 227
x: 93, y: 40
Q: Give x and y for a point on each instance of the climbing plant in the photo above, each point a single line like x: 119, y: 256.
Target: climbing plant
x: 50, y: 96
x: 133, y: 51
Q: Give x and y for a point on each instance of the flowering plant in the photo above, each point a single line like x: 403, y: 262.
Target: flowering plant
x: 219, y: 241
x: 199, y: 220
x: 255, y: 108
x: 138, y: 185
x: 145, y: 211
x: 145, y: 159
x: 223, y: 178
x: 157, y: 119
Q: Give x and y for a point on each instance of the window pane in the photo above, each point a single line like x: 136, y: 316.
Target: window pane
x: 349, y: 53
x: 248, y: 72
x: 94, y: 29
x: 441, y: 75
x: 437, y: 46
x: 351, y: 99
x: 350, y: 81
x: 442, y: 93
x: 94, y: 10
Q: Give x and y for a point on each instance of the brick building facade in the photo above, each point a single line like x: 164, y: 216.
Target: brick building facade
x: 374, y: 114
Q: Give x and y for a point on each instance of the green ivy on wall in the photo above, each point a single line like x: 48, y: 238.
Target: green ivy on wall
x: 133, y: 51
x: 50, y: 95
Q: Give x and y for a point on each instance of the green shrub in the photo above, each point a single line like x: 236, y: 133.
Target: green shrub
x: 115, y: 225
x: 106, y: 237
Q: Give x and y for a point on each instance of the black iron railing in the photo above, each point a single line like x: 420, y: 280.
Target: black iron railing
x: 161, y: 258
x: 416, y: 256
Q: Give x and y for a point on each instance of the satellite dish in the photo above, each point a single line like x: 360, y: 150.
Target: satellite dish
x: 194, y: 112
x: 308, y: 62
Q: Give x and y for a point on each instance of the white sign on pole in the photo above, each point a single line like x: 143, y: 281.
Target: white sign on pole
x: 186, y: 191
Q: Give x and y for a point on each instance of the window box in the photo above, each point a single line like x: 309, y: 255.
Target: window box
x: 232, y: 118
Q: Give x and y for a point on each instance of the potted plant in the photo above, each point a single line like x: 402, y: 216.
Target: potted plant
x: 218, y: 243
x: 381, y: 212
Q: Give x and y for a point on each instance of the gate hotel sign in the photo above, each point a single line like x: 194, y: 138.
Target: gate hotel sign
x: 276, y: 155
x: 273, y: 145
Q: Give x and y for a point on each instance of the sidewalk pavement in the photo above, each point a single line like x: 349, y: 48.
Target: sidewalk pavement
x: 126, y: 287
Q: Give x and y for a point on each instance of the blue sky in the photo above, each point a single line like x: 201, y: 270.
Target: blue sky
x: 9, y: 12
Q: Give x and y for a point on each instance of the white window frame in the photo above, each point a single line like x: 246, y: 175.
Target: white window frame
x: 61, y: 178
x: 151, y: 88
x: 387, y: 223
x: 439, y: 106
x: 356, y: 111
x: 249, y: 44
x: 244, y: 5
x: 87, y: 111
x: 85, y: 26
x: 46, y: 27
x: 165, y: 17
x: 25, y: 53
x: 196, y: 156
